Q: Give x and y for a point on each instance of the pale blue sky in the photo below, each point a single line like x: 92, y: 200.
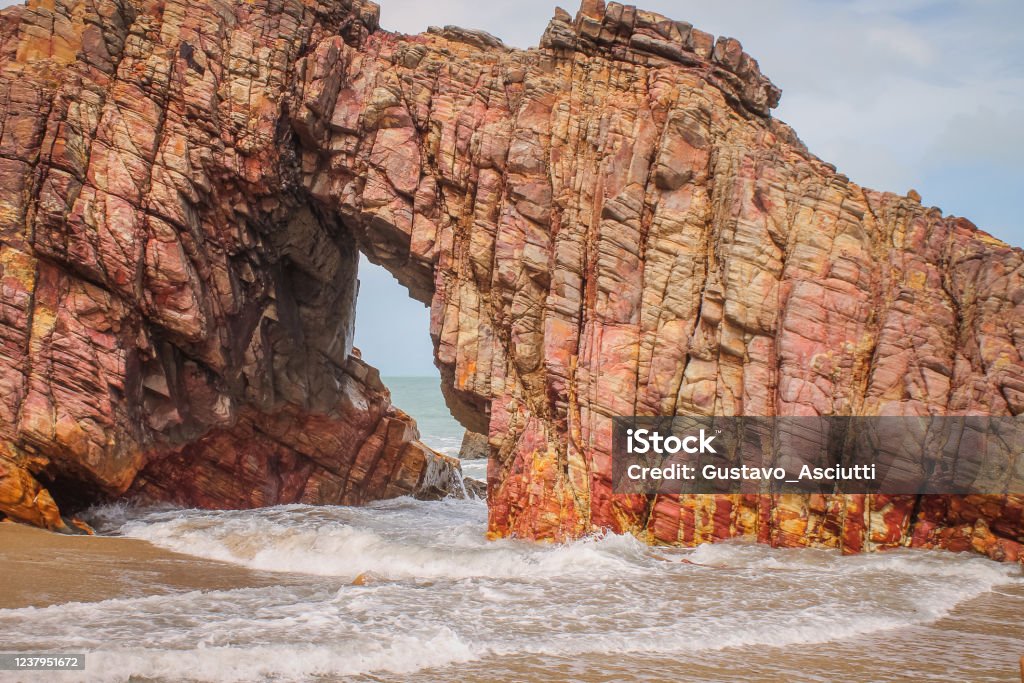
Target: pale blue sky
x: 392, y: 329
x: 899, y: 94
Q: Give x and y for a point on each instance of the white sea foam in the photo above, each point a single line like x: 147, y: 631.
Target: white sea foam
x: 244, y: 664
x: 343, y: 548
x: 475, y: 469
x: 442, y: 596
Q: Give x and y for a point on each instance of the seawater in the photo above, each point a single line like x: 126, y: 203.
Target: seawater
x: 411, y: 590
x: 440, y: 603
x: 421, y: 398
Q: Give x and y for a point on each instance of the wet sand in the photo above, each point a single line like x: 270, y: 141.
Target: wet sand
x: 299, y: 625
x: 40, y: 568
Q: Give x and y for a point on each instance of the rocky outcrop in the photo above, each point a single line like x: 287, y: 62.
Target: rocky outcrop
x: 474, y: 446
x: 613, y: 225
x: 610, y: 224
x: 363, y: 449
x: 177, y: 319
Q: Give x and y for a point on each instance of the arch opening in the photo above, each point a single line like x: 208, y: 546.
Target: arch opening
x: 389, y: 333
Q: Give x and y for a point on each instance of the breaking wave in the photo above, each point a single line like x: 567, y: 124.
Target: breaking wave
x: 433, y: 594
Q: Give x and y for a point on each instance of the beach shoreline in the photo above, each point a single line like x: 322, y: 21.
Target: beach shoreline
x: 448, y: 605
x: 40, y: 568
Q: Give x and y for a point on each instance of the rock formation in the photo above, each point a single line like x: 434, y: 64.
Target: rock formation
x: 610, y: 224
x: 177, y: 318
x: 474, y: 446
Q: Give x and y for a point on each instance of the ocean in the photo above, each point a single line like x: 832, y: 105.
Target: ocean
x: 421, y: 398
x: 411, y: 590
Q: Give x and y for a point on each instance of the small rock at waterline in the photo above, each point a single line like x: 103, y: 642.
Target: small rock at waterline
x: 474, y: 446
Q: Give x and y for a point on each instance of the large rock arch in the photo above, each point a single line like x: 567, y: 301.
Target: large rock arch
x: 612, y: 223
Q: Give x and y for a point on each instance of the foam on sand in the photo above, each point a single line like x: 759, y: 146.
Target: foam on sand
x: 435, y: 595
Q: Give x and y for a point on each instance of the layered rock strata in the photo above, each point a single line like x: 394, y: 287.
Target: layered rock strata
x: 176, y: 317
x: 609, y: 224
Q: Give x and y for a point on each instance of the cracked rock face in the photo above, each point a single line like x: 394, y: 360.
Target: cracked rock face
x: 609, y: 224
x: 177, y: 317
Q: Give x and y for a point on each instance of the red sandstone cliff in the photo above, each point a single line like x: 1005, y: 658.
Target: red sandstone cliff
x: 177, y: 318
x: 610, y: 224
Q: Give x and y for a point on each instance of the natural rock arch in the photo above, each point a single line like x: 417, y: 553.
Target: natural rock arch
x: 610, y: 224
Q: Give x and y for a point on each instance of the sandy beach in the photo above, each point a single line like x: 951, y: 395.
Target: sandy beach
x: 40, y: 568
x: 272, y: 594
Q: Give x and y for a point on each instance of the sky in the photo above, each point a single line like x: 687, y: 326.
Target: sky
x: 898, y: 94
x: 392, y: 328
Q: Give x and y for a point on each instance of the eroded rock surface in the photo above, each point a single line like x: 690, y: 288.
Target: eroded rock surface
x: 474, y: 446
x: 177, y: 319
x: 609, y: 224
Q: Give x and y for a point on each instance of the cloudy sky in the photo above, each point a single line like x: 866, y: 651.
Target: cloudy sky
x: 899, y: 94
